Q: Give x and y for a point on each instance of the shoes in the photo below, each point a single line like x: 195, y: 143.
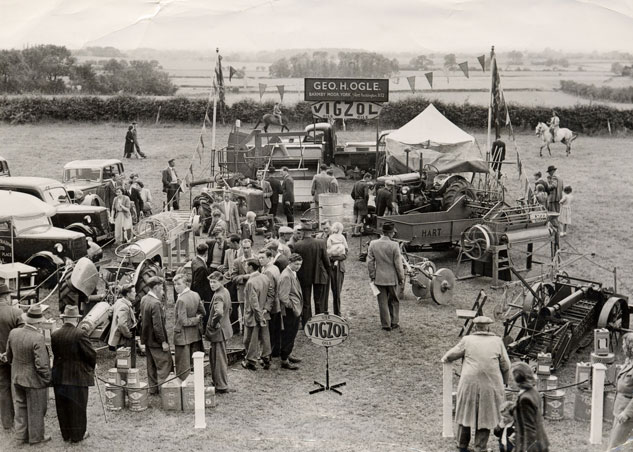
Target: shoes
x: 563, y: 234
x: 248, y: 365
x: 266, y: 363
x: 288, y: 365
x: 386, y: 328
x: 395, y: 327
x: 86, y: 435
x: 294, y: 360
x: 225, y: 391
x: 45, y: 440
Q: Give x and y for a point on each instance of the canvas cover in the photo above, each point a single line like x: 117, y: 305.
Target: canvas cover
x: 440, y: 142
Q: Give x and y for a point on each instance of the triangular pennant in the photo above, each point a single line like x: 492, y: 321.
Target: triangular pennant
x: 482, y: 61
x: 206, y: 119
x: 529, y: 196
x: 262, y: 88
x: 232, y: 72
x: 464, y: 67
x: 507, y: 116
x: 519, y: 165
x: 280, y: 88
x: 429, y: 78
x: 200, y: 148
x: 411, y: 81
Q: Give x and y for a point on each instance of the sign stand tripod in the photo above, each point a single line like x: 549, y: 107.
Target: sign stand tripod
x: 327, y: 386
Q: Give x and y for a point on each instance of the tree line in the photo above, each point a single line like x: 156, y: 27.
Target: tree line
x: 345, y: 64
x: 51, y: 69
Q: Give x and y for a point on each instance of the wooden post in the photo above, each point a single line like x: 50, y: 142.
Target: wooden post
x: 447, y: 401
x: 597, y: 403
x: 198, y: 388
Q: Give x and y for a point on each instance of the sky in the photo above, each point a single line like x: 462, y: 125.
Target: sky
x: 378, y: 25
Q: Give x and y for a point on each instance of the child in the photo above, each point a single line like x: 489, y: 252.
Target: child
x: 541, y: 195
x: 565, y: 209
x: 336, y: 243
x: 505, y: 430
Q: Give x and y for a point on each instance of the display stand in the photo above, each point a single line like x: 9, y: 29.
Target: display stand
x: 327, y: 386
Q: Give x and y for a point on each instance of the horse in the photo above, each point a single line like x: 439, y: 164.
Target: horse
x: 270, y: 119
x: 563, y: 135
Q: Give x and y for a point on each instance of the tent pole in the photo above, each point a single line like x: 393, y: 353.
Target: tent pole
x: 492, y: 81
x: 378, y: 145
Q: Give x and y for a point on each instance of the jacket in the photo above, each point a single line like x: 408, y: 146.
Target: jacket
x: 268, y: 192
x: 288, y: 190
x: 384, y: 200
x: 219, y: 327
x: 123, y: 321
x: 153, y: 329
x: 10, y: 318
x: 276, y: 187
x: 74, y: 358
x: 167, y: 179
x: 247, y: 230
x: 29, y: 359
x: 281, y: 261
x: 316, y: 263
x: 232, y: 217
x: 212, y: 244
x: 384, y: 262
x: 257, y: 299
x: 187, y: 326
x: 320, y: 184
x: 528, y: 419
x: 273, y: 274
x: 624, y: 386
x: 199, y: 281
x: 290, y: 295
x: 238, y: 276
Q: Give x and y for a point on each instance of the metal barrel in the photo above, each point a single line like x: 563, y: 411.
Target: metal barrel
x: 563, y: 304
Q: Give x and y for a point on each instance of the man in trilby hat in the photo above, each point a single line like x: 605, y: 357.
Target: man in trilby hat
x: 30, y: 376
x: 10, y: 318
x: 555, y: 189
x: 73, y: 372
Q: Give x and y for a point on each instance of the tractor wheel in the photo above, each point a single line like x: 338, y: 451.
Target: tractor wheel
x: 68, y: 295
x: 148, y: 271
x: 456, y: 189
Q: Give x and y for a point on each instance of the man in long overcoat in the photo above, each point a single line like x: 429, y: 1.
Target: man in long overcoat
x: 10, y: 318
x: 218, y: 332
x: 555, y: 189
x: 480, y: 393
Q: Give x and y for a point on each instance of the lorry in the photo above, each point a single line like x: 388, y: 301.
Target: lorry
x: 92, y: 181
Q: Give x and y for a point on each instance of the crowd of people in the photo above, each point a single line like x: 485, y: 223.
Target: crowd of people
x: 554, y: 196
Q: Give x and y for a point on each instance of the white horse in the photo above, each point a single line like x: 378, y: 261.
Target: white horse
x: 563, y: 135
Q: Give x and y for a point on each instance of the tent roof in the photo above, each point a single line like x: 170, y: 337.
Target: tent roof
x: 430, y: 126
x: 21, y: 205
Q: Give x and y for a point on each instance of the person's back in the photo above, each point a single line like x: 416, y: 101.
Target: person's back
x: 481, y: 357
x: 26, y: 346
x: 384, y: 199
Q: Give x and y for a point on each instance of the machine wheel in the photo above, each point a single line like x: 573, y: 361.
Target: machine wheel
x: 45, y: 268
x: 67, y: 294
x: 457, y: 188
x: 148, y: 271
x: 614, y: 316
x: 476, y: 242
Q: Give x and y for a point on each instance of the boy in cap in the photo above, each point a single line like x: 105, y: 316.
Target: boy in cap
x: 10, y: 318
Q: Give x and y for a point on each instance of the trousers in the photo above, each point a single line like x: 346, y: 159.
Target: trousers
x: 321, y: 293
x: 290, y: 215
x: 620, y: 433
x: 71, y: 403
x: 336, y: 282
x: 289, y: 333
x: 481, y: 438
x: 219, y: 365
x: 6, y: 397
x: 159, y: 365
x: 388, y: 306
x: 275, y: 334
x: 30, y: 408
x: 257, y: 343
x: 183, y: 358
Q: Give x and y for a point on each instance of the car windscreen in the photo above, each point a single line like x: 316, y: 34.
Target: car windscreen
x: 56, y: 196
x: 89, y: 174
x: 31, y: 224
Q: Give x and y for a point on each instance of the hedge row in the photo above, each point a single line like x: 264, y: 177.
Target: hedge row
x: 32, y: 109
x: 624, y: 94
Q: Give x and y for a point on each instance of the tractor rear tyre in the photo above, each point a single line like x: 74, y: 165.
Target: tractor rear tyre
x: 68, y: 295
x: 456, y: 189
x: 148, y: 271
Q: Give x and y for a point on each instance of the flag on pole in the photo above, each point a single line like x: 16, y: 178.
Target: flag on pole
x: 519, y: 165
x: 496, y: 95
x: 280, y: 88
x: 464, y: 67
x: 429, y: 78
x: 219, y: 80
x: 482, y: 61
x: 411, y: 81
x: 262, y: 88
x: 206, y: 120
x: 232, y: 72
x: 507, y: 116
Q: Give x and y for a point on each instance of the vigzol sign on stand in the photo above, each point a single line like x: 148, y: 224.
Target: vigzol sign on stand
x: 327, y: 331
x: 344, y: 109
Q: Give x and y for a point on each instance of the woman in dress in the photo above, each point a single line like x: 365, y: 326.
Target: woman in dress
x: 565, y: 209
x: 121, y: 208
x: 623, y: 405
x: 528, y: 416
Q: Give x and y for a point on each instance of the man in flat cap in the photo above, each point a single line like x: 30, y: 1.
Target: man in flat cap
x: 10, y: 318
x: 555, y: 189
x: 171, y: 185
x: 386, y: 271
x: 73, y: 372
x: 30, y: 375
x: 480, y: 393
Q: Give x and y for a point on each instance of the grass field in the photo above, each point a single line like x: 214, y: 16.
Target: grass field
x: 392, y: 401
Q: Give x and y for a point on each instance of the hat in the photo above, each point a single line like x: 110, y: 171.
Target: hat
x: 551, y: 168
x: 219, y: 277
x: 482, y: 320
x: 282, y: 230
x: 34, y: 314
x: 388, y: 227
x: 4, y: 289
x: 171, y: 160
x: 271, y: 169
x: 70, y: 311
x: 389, y: 183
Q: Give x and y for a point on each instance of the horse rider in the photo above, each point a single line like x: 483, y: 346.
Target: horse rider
x: 554, y: 123
x: 277, y: 112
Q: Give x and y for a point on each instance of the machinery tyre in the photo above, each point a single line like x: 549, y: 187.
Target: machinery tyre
x: 67, y: 294
x: 456, y: 189
x: 45, y: 268
x: 142, y: 284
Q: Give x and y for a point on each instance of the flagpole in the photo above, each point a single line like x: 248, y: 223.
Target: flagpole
x: 492, y: 82
x: 215, y: 104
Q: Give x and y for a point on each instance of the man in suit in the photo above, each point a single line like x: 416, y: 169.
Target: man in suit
x: 218, y: 332
x: 217, y: 252
x: 73, y: 372
x: 136, y: 145
x: 30, y: 375
x: 257, y: 307
x: 199, y: 281
x: 313, y: 274
x: 230, y: 258
x: 555, y: 189
x: 267, y: 189
x: 291, y: 301
x: 385, y: 200
x: 171, y: 185
x: 10, y: 318
x: 384, y: 263
x: 188, y: 315
x: 231, y: 214
x: 154, y: 335
x: 268, y: 268
x: 275, y: 185
x: 320, y: 183
x: 239, y: 276
x: 279, y: 260
x: 288, y: 196
x: 129, y: 142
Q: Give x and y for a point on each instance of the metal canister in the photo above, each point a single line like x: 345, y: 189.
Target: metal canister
x: 133, y: 379
x: 209, y: 397
x: 607, y: 359
x: 583, y: 374
x: 123, y: 358
x: 137, y: 397
x: 188, y: 394
x: 171, y: 394
x: 552, y: 383
x: 114, y: 377
x: 601, y: 340
x: 544, y: 364
x: 582, y: 405
x: 115, y: 397
x: 554, y: 405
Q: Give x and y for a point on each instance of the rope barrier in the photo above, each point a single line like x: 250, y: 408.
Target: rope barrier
x: 149, y: 387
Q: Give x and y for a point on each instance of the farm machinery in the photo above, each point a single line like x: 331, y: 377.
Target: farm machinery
x: 558, y: 317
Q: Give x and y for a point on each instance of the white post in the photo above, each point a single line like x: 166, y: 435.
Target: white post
x: 597, y: 403
x: 447, y: 401
x: 198, y: 388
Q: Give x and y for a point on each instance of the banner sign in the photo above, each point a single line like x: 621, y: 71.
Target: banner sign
x: 326, y: 330
x: 346, y: 110
x: 349, y: 89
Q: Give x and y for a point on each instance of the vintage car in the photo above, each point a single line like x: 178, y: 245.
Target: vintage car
x: 27, y: 235
x: 92, y: 181
x: 4, y: 167
x: 92, y: 221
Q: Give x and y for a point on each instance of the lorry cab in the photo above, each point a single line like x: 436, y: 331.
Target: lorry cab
x: 92, y: 181
x: 322, y: 133
x: 4, y: 167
